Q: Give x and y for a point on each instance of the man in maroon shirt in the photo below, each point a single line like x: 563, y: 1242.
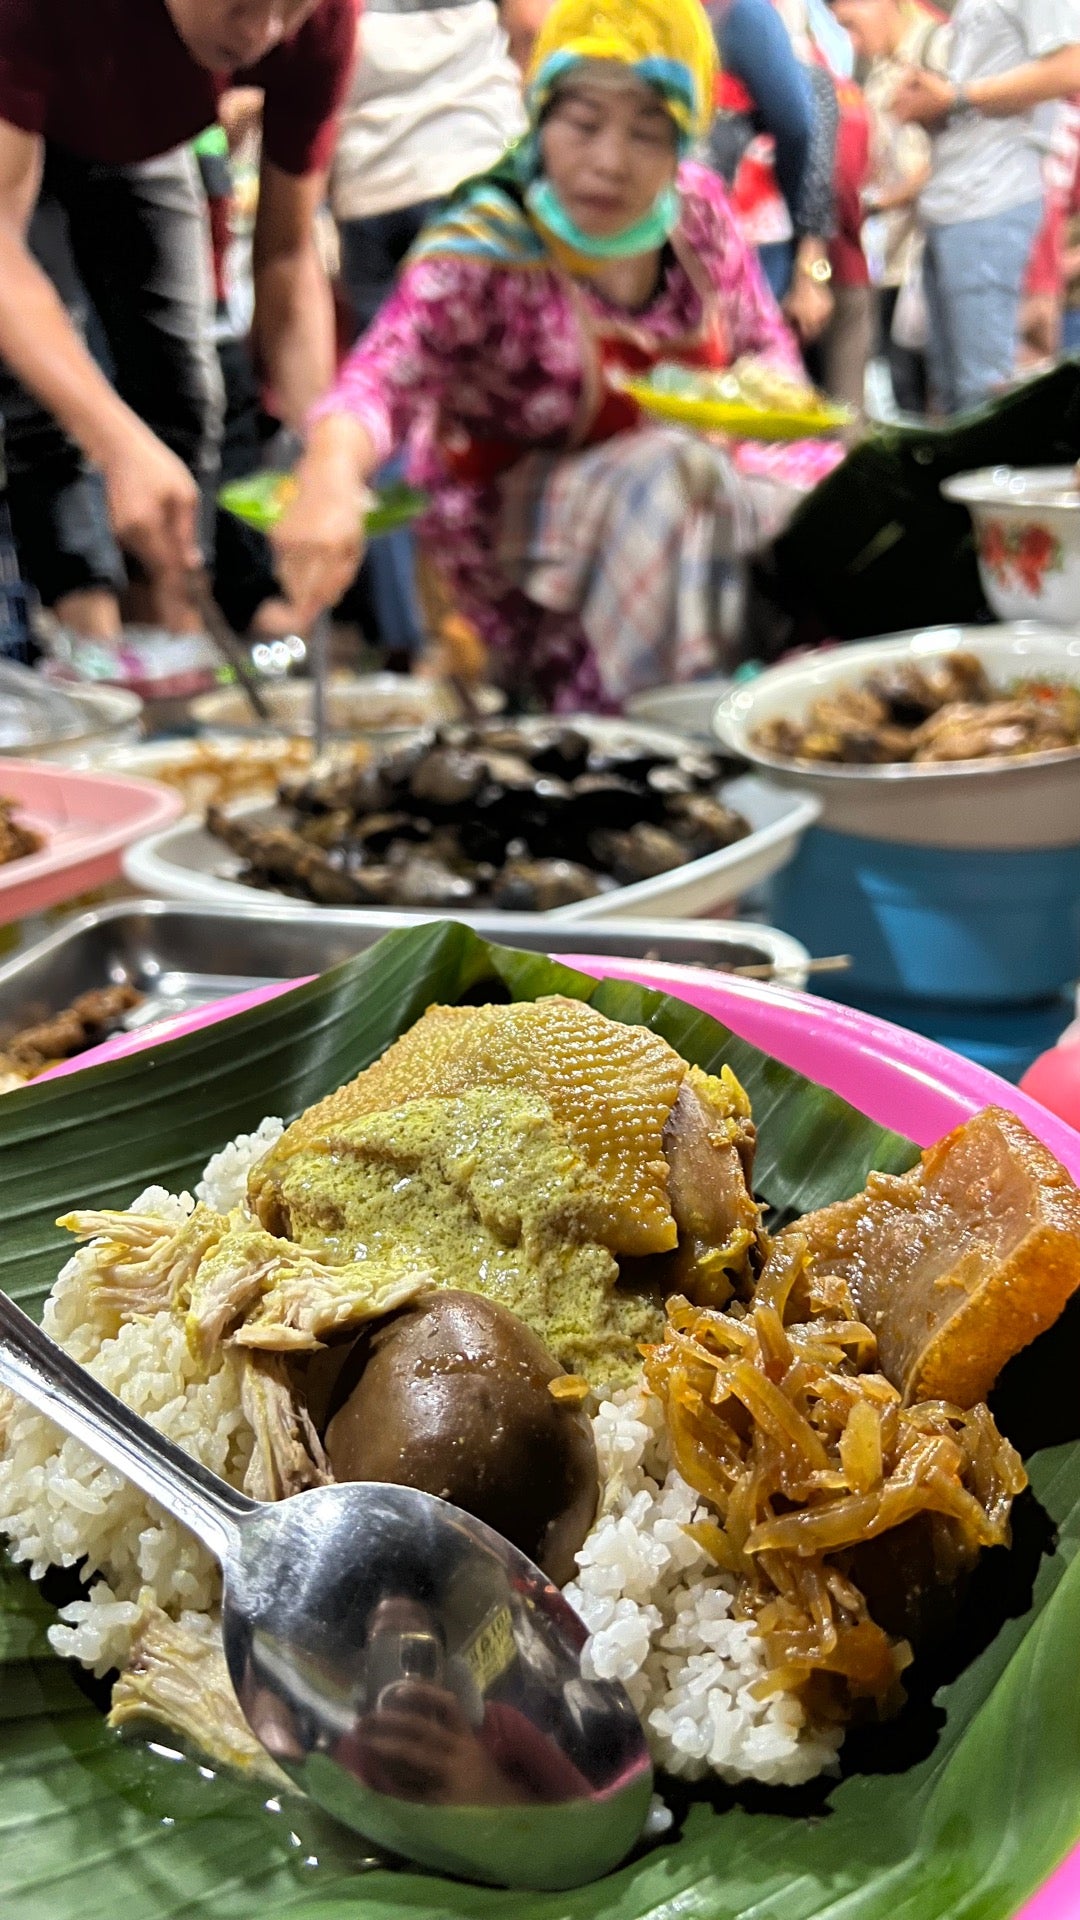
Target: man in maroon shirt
x: 88, y: 87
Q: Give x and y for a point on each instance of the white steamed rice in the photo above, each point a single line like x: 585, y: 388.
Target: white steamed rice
x: 658, y: 1613
x: 660, y: 1620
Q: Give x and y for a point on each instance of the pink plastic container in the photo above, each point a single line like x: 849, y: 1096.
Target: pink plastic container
x: 87, y: 820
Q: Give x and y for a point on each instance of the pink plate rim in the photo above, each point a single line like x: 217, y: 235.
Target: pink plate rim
x: 88, y: 815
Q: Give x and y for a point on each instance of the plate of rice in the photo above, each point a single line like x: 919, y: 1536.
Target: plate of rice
x: 814, y: 1351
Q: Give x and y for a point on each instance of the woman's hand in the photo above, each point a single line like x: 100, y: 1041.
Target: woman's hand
x: 319, y: 544
x: 809, y: 303
x: 319, y: 541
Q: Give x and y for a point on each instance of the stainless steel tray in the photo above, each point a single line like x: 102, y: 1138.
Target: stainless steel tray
x: 182, y: 957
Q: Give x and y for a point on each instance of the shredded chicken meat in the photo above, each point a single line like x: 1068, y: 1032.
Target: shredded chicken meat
x: 177, y: 1676
x: 235, y: 1282
x: 288, y: 1455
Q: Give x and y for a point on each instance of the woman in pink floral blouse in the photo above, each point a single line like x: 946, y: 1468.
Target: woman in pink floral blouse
x: 587, y: 545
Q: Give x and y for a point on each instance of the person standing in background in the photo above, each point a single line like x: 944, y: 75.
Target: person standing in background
x: 891, y: 37
x: 984, y: 204
x: 1043, y: 309
x: 435, y: 99
x: 761, y: 135
x: 842, y: 354
x: 98, y: 99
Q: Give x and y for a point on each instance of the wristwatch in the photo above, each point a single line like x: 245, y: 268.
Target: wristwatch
x: 962, y: 103
x: 820, y: 271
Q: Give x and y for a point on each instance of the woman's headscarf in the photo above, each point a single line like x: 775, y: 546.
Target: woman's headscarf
x: 667, y: 45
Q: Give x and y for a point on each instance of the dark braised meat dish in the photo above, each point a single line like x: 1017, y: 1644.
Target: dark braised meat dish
x: 944, y: 711
x: 86, y: 1023
x: 521, y: 818
x: 16, y: 842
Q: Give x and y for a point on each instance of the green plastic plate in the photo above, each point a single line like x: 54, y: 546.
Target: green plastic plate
x: 261, y: 500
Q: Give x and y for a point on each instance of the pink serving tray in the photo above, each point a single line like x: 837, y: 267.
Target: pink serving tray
x: 87, y: 820
x: 897, y: 1078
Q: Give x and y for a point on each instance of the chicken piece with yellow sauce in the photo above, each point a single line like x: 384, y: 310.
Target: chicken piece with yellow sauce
x: 523, y: 1152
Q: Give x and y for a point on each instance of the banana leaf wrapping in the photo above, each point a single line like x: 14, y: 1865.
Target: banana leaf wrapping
x: 961, y: 1808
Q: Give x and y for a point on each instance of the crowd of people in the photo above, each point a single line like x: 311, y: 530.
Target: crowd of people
x: 473, y: 218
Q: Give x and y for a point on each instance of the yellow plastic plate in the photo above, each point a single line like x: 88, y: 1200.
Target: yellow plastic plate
x: 742, y: 422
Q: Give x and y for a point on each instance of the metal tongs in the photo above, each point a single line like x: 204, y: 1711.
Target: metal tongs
x: 229, y: 645
x: 236, y: 655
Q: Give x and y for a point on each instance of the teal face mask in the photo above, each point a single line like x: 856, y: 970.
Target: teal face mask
x: 644, y: 236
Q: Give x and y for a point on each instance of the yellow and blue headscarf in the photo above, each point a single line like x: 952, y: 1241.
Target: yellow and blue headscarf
x: 667, y: 45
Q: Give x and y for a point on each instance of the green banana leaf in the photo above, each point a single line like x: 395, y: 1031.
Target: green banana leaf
x: 960, y: 1808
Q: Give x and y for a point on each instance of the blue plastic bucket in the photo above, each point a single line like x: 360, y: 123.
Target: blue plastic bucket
x: 931, y: 923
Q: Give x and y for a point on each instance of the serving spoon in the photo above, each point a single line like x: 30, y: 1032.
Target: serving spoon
x: 405, y: 1665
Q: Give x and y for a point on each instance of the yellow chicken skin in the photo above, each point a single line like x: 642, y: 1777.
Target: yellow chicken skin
x: 521, y: 1152
x: 490, y: 1196
x: 611, y: 1087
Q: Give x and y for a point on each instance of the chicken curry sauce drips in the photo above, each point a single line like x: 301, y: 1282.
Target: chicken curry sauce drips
x: 570, y: 1168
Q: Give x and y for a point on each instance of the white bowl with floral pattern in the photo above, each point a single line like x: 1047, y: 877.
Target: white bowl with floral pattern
x: 1027, y: 534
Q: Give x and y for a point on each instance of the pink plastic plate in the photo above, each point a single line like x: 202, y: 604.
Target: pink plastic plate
x: 900, y: 1080
x: 86, y: 819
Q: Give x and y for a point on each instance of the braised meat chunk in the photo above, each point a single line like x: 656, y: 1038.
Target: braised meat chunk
x: 957, y: 1265
x: 945, y: 710
x: 86, y: 1023
x: 16, y: 842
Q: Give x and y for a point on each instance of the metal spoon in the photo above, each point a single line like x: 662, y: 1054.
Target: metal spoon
x: 411, y: 1671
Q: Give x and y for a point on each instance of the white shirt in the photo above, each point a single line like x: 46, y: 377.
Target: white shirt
x: 983, y: 166
x: 435, y: 99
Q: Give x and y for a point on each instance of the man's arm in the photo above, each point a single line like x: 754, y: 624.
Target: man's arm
x: 1053, y: 78
x: 293, y: 330
x: 153, y: 501
x: 928, y: 99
